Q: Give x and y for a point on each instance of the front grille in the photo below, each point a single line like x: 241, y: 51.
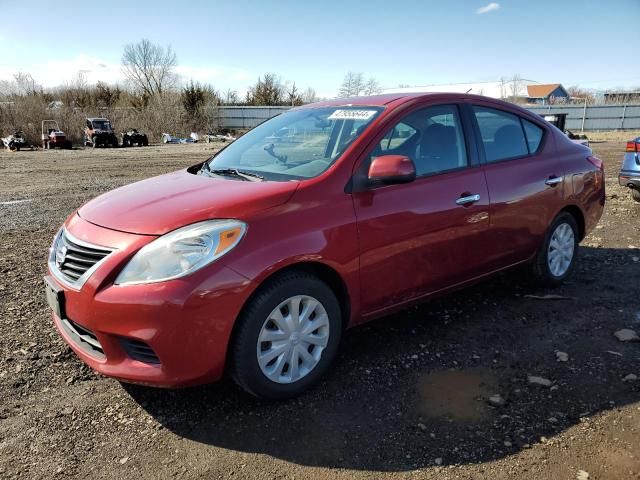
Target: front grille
x: 72, y: 258
x: 83, y: 337
x: 138, y: 350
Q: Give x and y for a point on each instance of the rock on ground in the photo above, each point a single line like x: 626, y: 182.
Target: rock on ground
x: 626, y: 335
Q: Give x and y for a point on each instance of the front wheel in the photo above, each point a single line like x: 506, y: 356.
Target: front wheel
x: 556, y: 257
x: 287, y: 337
x: 636, y: 195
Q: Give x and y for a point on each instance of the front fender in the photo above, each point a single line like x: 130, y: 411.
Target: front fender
x: 287, y: 235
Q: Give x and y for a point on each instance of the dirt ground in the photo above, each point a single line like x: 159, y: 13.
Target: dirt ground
x: 408, y: 397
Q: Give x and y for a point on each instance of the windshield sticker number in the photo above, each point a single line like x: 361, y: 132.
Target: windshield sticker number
x: 352, y: 115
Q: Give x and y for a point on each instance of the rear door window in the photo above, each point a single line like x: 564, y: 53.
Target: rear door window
x: 502, y: 134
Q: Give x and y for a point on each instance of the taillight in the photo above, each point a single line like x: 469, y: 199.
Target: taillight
x: 596, y: 162
x: 632, y: 147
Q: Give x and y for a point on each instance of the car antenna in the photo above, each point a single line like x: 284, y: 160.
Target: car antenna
x: 469, y: 90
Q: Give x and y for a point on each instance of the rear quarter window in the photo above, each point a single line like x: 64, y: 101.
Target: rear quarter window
x: 534, y: 135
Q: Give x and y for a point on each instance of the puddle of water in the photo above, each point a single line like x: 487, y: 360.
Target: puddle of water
x: 456, y: 394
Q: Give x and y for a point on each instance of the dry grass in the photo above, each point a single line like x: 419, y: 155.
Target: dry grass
x: 612, y: 135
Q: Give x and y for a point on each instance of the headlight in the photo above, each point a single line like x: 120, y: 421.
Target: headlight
x: 182, y: 251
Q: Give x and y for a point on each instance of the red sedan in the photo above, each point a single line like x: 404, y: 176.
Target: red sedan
x: 329, y: 215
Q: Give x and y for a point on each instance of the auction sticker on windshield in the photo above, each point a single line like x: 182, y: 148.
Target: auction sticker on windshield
x: 352, y: 115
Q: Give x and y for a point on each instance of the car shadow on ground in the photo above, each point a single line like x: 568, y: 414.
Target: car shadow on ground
x: 413, y: 389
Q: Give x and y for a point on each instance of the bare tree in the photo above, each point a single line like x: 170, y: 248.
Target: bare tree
x: 352, y: 85
x: 575, y: 92
x: 503, y: 88
x: 515, y: 84
x: 230, y: 97
x: 309, y: 96
x: 149, y: 67
x: 372, y: 87
x: 26, y: 85
x: 76, y: 93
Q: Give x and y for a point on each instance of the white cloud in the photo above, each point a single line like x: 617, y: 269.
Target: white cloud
x: 488, y: 8
x: 52, y: 73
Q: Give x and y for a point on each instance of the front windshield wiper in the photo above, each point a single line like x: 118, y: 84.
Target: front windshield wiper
x: 233, y: 172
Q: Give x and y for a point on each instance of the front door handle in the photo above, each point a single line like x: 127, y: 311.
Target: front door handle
x: 552, y: 181
x: 468, y: 199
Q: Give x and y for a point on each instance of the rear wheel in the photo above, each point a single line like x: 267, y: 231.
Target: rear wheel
x: 287, y: 337
x: 556, y: 257
x: 636, y: 195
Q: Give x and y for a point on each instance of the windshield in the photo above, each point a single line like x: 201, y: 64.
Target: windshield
x: 101, y: 125
x: 296, y: 145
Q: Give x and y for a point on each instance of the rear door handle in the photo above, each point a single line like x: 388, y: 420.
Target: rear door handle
x: 468, y: 199
x: 552, y: 181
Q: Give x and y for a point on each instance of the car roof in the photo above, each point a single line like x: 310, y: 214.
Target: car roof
x: 97, y: 118
x: 401, y: 98
x: 369, y: 100
x: 396, y: 98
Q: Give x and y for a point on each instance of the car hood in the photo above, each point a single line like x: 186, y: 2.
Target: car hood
x: 160, y: 204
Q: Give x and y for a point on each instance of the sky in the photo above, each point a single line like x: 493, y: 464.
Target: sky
x: 314, y: 43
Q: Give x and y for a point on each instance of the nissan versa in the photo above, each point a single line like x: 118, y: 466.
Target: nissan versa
x: 255, y: 261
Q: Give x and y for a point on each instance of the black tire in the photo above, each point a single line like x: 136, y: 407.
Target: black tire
x: 243, y: 361
x: 635, y: 194
x: 145, y: 142
x: 540, y: 267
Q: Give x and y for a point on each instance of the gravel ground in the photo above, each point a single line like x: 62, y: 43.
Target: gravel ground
x: 445, y: 390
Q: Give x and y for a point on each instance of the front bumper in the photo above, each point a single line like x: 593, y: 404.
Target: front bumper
x: 179, y: 329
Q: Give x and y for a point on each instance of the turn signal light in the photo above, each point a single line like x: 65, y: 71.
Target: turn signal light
x: 632, y: 147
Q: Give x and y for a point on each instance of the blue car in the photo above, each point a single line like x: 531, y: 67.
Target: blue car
x: 630, y: 173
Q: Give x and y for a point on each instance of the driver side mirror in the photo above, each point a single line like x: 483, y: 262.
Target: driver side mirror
x: 392, y: 169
